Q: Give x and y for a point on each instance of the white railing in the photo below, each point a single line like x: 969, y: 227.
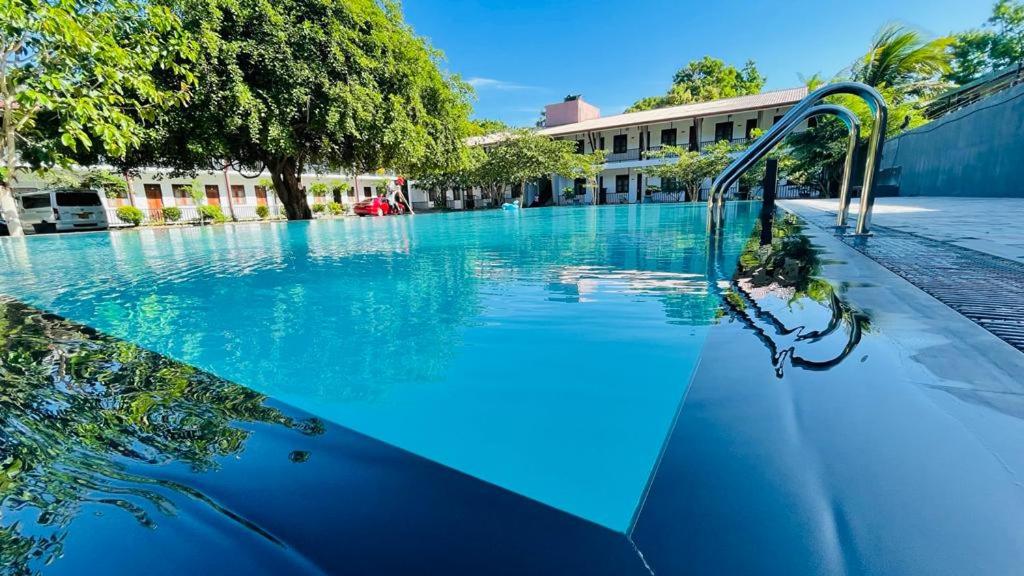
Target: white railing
x: 190, y: 215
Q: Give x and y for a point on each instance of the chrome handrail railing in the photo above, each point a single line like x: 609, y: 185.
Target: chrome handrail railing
x: 785, y: 125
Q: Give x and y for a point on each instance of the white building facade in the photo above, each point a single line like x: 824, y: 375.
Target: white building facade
x: 628, y: 138
x: 238, y: 195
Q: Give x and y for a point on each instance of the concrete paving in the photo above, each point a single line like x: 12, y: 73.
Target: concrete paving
x: 991, y: 225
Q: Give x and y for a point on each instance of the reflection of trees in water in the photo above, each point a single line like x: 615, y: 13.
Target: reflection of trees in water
x: 788, y: 269
x: 79, y: 409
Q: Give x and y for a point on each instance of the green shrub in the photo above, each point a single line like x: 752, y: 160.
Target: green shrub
x: 336, y: 208
x: 172, y: 213
x: 340, y: 189
x: 212, y: 213
x: 130, y: 215
x: 319, y: 208
x: 318, y: 189
x: 263, y: 212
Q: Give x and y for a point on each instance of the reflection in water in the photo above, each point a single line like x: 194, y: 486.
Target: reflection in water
x: 483, y: 341
x: 310, y: 308
x: 83, y: 414
x: 773, y: 279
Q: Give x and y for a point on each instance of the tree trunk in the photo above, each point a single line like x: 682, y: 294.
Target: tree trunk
x: 9, y: 209
x: 231, y: 200
x: 284, y: 173
x: 8, y: 205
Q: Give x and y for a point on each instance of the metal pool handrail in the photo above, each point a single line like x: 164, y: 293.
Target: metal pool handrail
x: 853, y: 127
x: 785, y: 125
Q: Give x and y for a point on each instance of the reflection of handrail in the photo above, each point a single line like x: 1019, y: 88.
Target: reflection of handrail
x: 841, y: 314
x: 786, y: 124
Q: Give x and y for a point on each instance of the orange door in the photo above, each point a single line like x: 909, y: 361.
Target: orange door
x: 154, y: 197
x: 212, y: 195
x: 238, y: 194
x: 261, y: 196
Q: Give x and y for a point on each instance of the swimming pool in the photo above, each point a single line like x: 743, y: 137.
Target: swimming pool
x: 546, y: 351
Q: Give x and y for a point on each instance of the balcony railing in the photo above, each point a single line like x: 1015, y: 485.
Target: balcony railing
x: 190, y: 214
x: 634, y: 154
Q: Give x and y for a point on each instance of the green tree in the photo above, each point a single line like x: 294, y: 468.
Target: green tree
x: 339, y: 84
x: 691, y: 169
x: 79, y: 77
x: 113, y: 185
x: 483, y: 127
x: 906, y: 67
x: 904, y: 59
x: 999, y: 44
x: 703, y: 80
x: 524, y: 156
x: 462, y: 176
x: 318, y: 190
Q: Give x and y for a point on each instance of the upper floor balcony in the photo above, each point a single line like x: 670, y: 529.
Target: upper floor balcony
x: 636, y: 154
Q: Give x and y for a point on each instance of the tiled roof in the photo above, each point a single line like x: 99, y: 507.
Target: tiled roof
x: 772, y: 99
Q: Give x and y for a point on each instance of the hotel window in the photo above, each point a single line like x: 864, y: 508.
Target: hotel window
x: 238, y: 193
x: 579, y: 186
x: 670, y: 184
x: 723, y: 131
x: 181, y: 194
x: 668, y: 137
x: 751, y: 126
x: 580, y: 147
x: 367, y: 192
x: 622, y: 184
x: 619, y: 144
x: 213, y: 195
x: 601, y: 143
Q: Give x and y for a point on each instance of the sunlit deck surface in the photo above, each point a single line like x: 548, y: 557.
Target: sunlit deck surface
x: 876, y: 432
x: 991, y: 225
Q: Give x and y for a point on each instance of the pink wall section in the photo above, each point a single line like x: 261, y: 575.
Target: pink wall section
x: 570, y: 112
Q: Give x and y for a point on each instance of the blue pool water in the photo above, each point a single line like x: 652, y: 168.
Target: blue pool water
x: 545, y: 351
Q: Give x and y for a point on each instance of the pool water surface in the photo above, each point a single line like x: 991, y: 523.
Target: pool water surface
x: 546, y: 351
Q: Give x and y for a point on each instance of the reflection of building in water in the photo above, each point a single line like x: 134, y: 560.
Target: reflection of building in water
x: 685, y: 296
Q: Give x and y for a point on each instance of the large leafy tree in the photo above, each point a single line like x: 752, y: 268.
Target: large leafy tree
x: 524, y: 156
x: 691, y: 169
x: 999, y: 44
x: 517, y: 157
x: 78, y: 77
x: 703, y: 80
x: 291, y: 84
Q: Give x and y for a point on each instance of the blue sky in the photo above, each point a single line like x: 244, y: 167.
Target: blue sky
x: 522, y: 54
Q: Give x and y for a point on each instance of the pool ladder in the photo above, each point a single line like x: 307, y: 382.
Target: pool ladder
x: 809, y: 107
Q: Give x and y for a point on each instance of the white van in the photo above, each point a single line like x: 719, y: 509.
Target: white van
x: 62, y: 210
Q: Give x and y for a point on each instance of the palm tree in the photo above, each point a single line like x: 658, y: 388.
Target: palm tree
x: 903, y: 59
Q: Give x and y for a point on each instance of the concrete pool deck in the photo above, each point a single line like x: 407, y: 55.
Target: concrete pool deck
x: 991, y: 225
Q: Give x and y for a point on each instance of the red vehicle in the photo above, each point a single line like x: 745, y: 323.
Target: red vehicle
x: 378, y: 206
